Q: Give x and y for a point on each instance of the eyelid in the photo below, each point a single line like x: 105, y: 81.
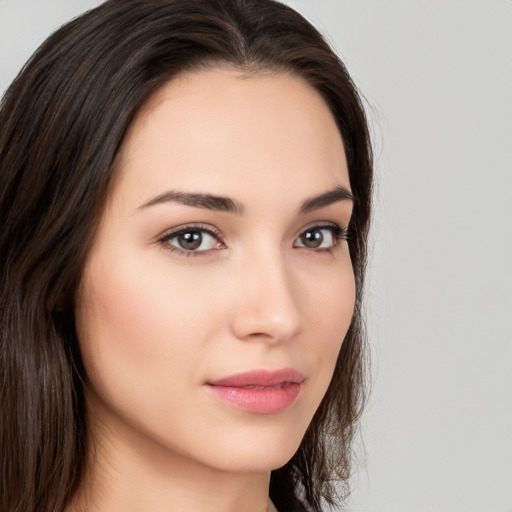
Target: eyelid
x: 171, y: 233
x: 168, y: 233
x: 339, y: 233
x: 324, y: 224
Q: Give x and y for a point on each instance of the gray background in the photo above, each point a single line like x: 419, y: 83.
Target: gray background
x: 437, y: 76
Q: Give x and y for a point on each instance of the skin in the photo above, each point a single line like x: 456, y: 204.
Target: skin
x: 156, y: 323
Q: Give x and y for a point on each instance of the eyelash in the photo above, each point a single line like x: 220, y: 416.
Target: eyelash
x: 339, y: 234
x: 192, y: 228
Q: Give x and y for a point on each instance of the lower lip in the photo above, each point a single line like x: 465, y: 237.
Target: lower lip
x: 260, y: 401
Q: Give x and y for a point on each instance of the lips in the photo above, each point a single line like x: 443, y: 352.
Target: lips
x: 259, y: 391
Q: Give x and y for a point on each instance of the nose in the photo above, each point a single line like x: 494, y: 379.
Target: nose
x: 266, y: 303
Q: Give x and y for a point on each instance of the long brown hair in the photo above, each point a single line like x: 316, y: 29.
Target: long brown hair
x: 62, y: 122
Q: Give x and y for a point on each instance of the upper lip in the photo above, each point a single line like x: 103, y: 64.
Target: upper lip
x: 260, y: 378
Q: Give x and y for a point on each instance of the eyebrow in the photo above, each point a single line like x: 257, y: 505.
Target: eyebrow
x: 225, y: 204
x: 327, y: 198
x: 207, y: 201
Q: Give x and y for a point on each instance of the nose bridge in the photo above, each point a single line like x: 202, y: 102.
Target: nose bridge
x: 267, y: 306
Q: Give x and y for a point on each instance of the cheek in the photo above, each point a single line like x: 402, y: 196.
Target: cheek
x: 330, y: 304
x: 327, y: 315
x: 139, y: 322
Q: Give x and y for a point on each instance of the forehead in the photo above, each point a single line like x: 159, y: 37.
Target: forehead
x: 216, y: 130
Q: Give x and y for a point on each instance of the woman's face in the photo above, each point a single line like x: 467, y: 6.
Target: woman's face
x: 219, y: 287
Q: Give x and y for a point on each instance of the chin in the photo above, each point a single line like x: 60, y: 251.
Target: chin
x: 255, y: 449
x: 256, y: 461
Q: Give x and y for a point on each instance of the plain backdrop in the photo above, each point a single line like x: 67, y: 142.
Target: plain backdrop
x: 437, y: 78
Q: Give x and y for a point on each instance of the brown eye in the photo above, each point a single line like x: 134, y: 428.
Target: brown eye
x: 190, y: 241
x: 320, y: 237
x: 312, y: 238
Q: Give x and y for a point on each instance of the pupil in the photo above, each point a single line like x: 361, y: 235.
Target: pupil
x: 191, y: 240
x: 312, y: 239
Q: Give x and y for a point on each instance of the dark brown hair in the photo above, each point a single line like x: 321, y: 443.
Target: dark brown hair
x: 62, y: 122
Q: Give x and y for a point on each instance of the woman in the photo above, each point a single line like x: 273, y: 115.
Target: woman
x: 185, y: 198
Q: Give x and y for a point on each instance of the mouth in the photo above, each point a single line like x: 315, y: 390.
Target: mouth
x: 259, y: 391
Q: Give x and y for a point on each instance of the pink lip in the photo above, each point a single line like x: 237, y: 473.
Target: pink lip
x: 259, y: 391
